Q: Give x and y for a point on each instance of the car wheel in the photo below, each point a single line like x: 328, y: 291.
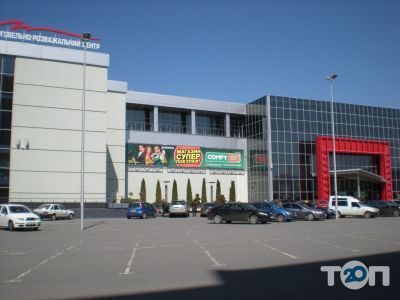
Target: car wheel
x: 253, y: 219
x: 170, y: 215
x: 339, y: 214
x: 36, y: 228
x: 228, y: 222
x: 310, y: 217
x: 217, y: 219
x: 11, y: 226
x: 128, y: 217
x: 280, y: 218
x: 264, y: 222
x: 70, y: 216
x: 53, y: 217
x: 367, y: 215
x: 144, y: 216
x: 396, y: 213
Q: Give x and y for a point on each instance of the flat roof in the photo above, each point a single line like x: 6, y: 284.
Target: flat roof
x: 197, y: 104
x: 362, y: 174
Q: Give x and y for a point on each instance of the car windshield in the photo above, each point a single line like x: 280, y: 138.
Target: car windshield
x: 274, y: 206
x: 19, y: 209
x: 209, y: 205
x: 178, y: 202
x: 44, y: 206
x: 137, y: 204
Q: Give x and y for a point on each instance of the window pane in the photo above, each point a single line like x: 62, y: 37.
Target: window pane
x: 4, y: 158
x: 5, y: 101
x: 5, y: 138
x: 7, y: 82
x: 5, y: 120
x: 8, y: 64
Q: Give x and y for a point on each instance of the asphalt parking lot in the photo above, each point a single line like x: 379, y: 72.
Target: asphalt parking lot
x: 182, y: 258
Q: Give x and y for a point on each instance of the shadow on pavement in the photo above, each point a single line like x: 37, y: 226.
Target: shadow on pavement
x: 302, y: 281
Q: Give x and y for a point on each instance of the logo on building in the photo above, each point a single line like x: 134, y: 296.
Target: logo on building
x: 17, y: 30
x: 355, y: 275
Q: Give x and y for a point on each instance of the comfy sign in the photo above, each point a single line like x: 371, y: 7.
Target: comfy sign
x: 188, y: 156
x: 218, y: 157
x: 17, y: 30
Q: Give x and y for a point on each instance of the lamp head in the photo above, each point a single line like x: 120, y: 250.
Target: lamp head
x: 332, y: 77
x: 86, y: 36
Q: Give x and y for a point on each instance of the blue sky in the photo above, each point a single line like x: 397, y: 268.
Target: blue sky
x: 239, y: 50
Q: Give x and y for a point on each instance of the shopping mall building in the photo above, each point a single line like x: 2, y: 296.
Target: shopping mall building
x: 274, y: 147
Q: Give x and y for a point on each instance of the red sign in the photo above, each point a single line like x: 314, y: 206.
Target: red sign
x: 18, y: 25
x: 188, y: 156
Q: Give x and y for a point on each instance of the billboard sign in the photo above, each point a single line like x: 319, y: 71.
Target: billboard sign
x: 18, y: 30
x: 183, y: 156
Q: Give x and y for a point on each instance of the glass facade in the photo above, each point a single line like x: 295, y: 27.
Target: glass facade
x: 174, y: 120
x: 294, y: 126
x: 6, y: 98
x: 208, y: 123
x: 139, y: 117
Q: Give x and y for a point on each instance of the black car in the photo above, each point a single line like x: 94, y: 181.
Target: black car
x: 241, y: 212
x: 303, y: 211
x: 330, y: 213
x: 205, y: 208
x: 386, y: 208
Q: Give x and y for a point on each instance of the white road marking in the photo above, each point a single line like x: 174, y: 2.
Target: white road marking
x: 332, y: 245
x: 129, y: 265
x: 19, y: 277
x: 216, y: 263
x: 359, y: 236
x: 277, y: 250
x: 12, y: 252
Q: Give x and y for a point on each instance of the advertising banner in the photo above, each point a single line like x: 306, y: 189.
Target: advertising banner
x: 182, y: 156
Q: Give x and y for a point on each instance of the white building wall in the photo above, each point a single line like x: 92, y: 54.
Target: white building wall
x: 196, y: 180
x: 47, y: 114
x: 116, y: 110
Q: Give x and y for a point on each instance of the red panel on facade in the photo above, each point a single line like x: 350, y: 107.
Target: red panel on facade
x: 324, y: 146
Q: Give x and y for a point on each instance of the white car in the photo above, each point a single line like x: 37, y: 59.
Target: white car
x: 178, y: 207
x: 350, y: 206
x: 54, y: 211
x: 15, y: 216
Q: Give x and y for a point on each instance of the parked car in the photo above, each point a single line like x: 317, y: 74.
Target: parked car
x: 241, y: 212
x: 54, y: 211
x: 330, y: 213
x: 140, y: 210
x: 350, y: 206
x: 13, y: 216
x: 275, y: 211
x: 178, y: 207
x: 386, y: 208
x: 205, y: 207
x: 303, y: 211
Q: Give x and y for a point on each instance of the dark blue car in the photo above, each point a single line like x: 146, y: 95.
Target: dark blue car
x: 276, y: 212
x: 140, y: 210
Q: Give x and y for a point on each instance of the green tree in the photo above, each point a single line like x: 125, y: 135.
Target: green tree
x: 158, y: 193
x: 143, y: 191
x: 189, y: 195
x: 203, y: 192
x: 218, y: 192
x: 232, y: 192
x: 220, y: 199
x: 174, y: 191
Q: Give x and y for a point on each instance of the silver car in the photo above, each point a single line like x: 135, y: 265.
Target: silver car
x: 178, y: 207
x: 54, y: 211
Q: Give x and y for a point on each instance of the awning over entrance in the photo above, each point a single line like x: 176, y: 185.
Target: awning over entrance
x: 360, y: 174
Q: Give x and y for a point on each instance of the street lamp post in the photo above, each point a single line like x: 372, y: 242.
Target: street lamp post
x: 85, y: 38
x: 331, y: 79
x: 212, y: 190
x: 166, y: 190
